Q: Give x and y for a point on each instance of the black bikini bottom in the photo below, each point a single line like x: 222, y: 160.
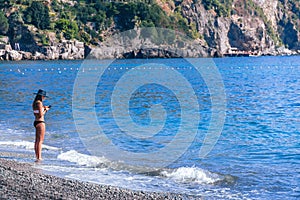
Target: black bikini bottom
x: 35, y: 123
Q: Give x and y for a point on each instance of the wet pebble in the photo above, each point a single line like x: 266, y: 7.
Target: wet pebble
x: 22, y: 181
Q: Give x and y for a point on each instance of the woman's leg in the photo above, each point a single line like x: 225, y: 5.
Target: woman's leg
x: 39, y: 139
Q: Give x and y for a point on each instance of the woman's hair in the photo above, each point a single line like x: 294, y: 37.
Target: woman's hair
x: 37, y: 98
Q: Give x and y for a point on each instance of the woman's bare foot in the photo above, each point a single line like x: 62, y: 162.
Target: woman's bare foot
x: 38, y: 160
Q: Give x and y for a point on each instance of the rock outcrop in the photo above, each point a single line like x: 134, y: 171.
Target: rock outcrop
x: 65, y: 50
x: 263, y: 29
x: 136, y: 44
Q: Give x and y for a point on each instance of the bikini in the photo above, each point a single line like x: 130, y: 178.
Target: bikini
x: 35, y: 123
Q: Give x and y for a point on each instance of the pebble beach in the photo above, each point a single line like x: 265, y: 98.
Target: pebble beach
x: 23, y: 181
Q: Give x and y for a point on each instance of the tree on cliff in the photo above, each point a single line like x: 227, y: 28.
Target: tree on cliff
x: 38, y: 15
x: 68, y: 28
x: 3, y: 23
x: 5, y: 3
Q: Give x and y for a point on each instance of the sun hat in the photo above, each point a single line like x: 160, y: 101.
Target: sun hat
x: 41, y: 93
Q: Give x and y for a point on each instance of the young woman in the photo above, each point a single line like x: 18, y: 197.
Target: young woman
x: 39, y: 111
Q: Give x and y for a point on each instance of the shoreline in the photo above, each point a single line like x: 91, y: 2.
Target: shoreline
x: 22, y: 181
x: 129, y: 58
x: 75, y: 50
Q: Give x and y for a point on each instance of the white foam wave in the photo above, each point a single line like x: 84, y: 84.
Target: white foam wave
x: 191, y: 174
x: 27, y: 145
x: 82, y: 159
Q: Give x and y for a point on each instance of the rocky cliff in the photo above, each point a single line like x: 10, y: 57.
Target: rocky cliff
x: 258, y: 27
x: 65, y: 50
x: 216, y: 28
x: 264, y: 27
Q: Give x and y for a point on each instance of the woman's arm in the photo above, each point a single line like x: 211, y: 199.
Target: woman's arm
x: 42, y: 109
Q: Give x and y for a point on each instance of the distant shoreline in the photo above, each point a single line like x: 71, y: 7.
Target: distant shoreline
x: 22, y: 181
x: 44, y: 58
x: 75, y: 50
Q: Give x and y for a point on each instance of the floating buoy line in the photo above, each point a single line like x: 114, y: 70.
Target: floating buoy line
x: 85, y: 69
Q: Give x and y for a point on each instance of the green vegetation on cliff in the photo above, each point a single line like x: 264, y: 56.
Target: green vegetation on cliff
x: 3, y: 23
x: 222, y: 7
x: 38, y: 15
x: 90, y: 21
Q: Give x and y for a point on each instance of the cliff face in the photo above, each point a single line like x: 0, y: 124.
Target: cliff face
x: 259, y: 27
x: 263, y: 27
x: 138, y: 43
x: 65, y: 50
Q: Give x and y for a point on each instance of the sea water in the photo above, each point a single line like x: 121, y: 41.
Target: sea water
x: 107, y: 113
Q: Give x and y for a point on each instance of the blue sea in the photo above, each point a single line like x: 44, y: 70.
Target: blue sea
x: 223, y: 128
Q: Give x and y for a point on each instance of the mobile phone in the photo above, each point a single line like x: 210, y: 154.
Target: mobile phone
x: 49, y: 106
